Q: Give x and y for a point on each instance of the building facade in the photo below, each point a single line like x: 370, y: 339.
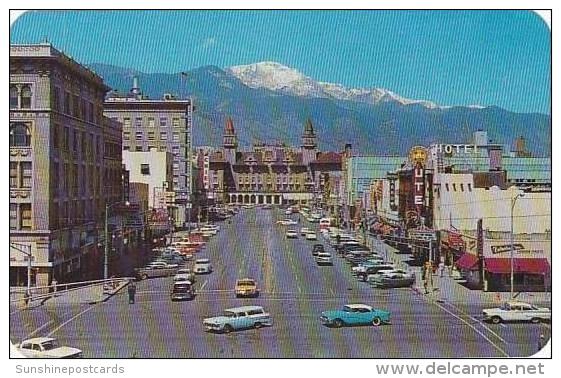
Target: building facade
x: 163, y: 125
x: 273, y: 173
x: 65, y: 165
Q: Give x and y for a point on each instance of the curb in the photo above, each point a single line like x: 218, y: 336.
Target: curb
x: 109, y: 294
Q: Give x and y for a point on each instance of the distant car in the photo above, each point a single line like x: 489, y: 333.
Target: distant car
x: 160, y: 264
x: 317, y: 248
x: 514, y: 311
x: 392, y: 279
x: 46, y: 347
x: 292, y: 234
x: 305, y: 230
x: 202, y: 266
x: 246, y: 287
x: 371, y: 270
x: 324, y: 258
x: 311, y: 236
x: 182, y: 290
x: 238, y: 318
x: 185, y: 275
x: 355, y: 314
x: 287, y: 222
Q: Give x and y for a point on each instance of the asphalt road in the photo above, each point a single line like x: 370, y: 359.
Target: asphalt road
x: 294, y: 290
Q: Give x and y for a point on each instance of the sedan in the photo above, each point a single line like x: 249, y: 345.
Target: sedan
x: 355, y: 314
x: 292, y: 234
x: 514, y: 311
x: 287, y: 222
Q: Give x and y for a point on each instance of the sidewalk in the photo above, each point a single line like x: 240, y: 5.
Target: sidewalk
x: 450, y: 289
x: 87, y: 295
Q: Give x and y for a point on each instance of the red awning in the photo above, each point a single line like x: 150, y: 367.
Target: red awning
x: 467, y: 261
x: 521, y: 265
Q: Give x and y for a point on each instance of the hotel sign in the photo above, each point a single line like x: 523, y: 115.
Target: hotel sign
x: 418, y: 154
x: 457, y: 148
x: 419, y: 184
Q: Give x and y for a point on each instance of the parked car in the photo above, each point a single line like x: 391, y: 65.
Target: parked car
x: 514, y: 311
x: 246, y: 287
x: 182, y: 290
x: 46, y: 347
x: 305, y: 230
x: 238, y: 318
x: 161, y: 264
x: 202, y: 266
x: 372, y: 260
x: 292, y: 234
x: 324, y: 258
x: 311, y: 236
x: 317, y: 248
x: 287, y: 222
x: 392, y: 279
x: 355, y: 314
x: 372, y: 270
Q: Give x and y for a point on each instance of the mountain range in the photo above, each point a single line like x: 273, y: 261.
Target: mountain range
x: 270, y: 102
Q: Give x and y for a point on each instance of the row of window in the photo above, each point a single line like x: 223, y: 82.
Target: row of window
x: 150, y: 122
x: 151, y: 135
x: 75, y: 140
x: 21, y: 175
x: 73, y: 105
x: 20, y: 136
x: 20, y: 216
x: 454, y: 187
x: 20, y: 96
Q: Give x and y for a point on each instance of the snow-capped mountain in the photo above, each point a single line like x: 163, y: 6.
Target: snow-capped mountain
x: 279, y: 78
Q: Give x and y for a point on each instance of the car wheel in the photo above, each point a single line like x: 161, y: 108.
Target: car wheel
x: 535, y: 320
x: 144, y: 276
x: 258, y: 325
x: 376, y: 321
x: 338, y: 323
x: 495, y: 320
x: 228, y: 328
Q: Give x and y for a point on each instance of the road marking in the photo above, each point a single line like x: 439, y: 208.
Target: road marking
x: 38, y: 329
x: 203, y: 285
x: 71, y: 319
x: 472, y: 327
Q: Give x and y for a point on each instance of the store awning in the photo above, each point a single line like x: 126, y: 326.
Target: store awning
x: 468, y: 261
x: 521, y: 265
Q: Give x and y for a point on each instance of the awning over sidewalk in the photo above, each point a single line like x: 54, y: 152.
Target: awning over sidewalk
x: 521, y: 265
x: 468, y: 261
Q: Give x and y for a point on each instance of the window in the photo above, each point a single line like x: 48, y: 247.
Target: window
x: 462, y: 187
x: 75, y: 141
x: 26, y: 174
x: 19, y: 135
x: 25, y: 97
x: 56, y: 99
x: 126, y: 122
x: 14, y: 97
x: 13, y: 216
x: 91, y: 114
x: 13, y: 174
x: 144, y: 169
x: 150, y: 135
x: 469, y: 187
x: 163, y: 148
x: 76, y: 106
x: 454, y: 186
x: 447, y: 187
x: 175, y: 122
x: 83, y: 108
x: 56, y: 143
x: 176, y: 137
x: 126, y: 148
x: 138, y: 148
x: 126, y: 135
x: 67, y: 103
x: 176, y: 166
x: 175, y: 150
x: 151, y: 122
x: 164, y: 135
x: 138, y: 122
x: 66, y: 139
x: 138, y: 135
x: 25, y: 209
x: 163, y: 122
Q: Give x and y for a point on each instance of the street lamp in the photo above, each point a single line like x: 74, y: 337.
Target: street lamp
x: 513, y: 202
x: 106, y: 233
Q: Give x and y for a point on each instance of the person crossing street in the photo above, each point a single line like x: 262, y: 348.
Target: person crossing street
x: 132, y: 291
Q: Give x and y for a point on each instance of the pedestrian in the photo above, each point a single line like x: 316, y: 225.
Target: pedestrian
x: 54, y: 284
x: 26, y: 297
x: 441, y: 268
x: 132, y: 292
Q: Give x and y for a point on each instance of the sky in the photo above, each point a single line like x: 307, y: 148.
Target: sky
x: 500, y: 58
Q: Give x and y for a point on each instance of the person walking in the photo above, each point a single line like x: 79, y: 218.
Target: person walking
x: 26, y: 297
x: 132, y: 291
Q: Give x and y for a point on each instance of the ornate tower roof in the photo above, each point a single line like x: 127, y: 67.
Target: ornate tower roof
x: 230, y: 141
x: 308, y: 128
x: 229, y: 128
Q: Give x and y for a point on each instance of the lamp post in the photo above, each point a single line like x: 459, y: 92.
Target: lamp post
x: 513, y: 202
x: 106, y: 233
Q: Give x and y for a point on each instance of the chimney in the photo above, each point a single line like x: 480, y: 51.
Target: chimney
x: 135, y: 88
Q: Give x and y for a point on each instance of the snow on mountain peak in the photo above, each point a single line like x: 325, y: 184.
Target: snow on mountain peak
x: 280, y: 78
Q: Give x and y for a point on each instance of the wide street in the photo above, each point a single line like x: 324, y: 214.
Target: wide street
x: 294, y: 290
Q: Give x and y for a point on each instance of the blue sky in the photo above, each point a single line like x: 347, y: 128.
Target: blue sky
x: 450, y: 57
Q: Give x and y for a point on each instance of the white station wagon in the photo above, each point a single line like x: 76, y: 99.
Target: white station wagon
x: 238, y: 318
x: 47, y: 347
x: 513, y: 311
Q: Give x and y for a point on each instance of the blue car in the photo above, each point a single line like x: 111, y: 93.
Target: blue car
x: 355, y: 314
x: 238, y: 318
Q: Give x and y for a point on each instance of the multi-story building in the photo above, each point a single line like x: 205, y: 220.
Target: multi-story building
x: 163, y: 125
x: 65, y: 166
x: 273, y: 173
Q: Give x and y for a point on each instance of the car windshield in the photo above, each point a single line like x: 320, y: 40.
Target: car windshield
x: 505, y: 307
x: 48, y: 345
x: 229, y: 314
x: 246, y: 283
